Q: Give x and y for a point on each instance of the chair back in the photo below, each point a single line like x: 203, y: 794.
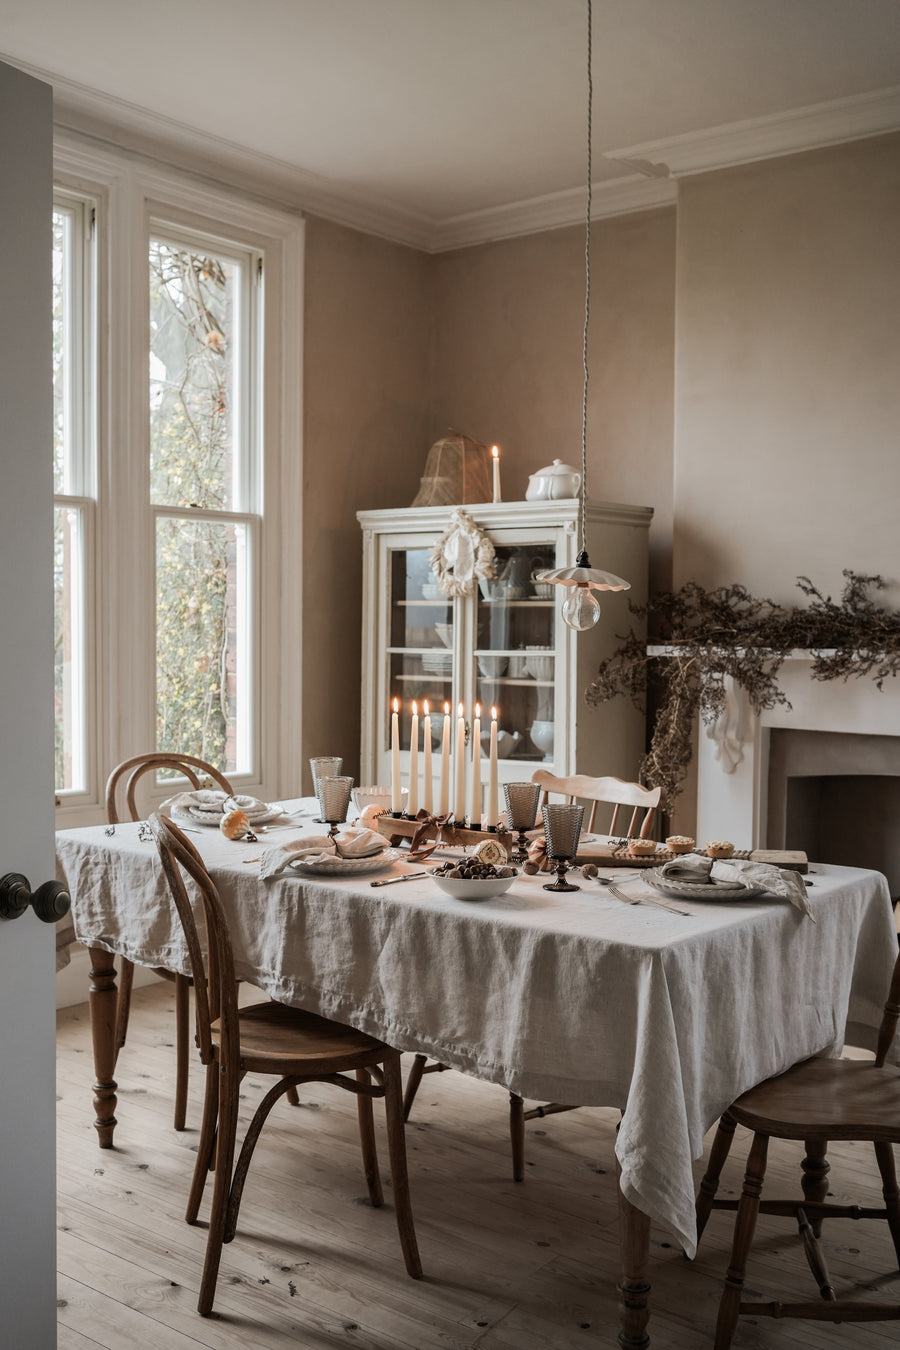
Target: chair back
x: 212, y: 959
x: 644, y: 802
x: 889, y: 1018
x: 124, y: 779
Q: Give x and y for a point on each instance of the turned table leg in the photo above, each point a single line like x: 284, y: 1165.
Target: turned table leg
x: 633, y: 1287
x: 102, y: 1001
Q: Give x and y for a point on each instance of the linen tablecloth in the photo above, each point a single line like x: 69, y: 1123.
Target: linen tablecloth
x: 569, y: 997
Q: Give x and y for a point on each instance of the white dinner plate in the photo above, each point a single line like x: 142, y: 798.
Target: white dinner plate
x: 213, y: 818
x: 345, y: 867
x: 701, y: 890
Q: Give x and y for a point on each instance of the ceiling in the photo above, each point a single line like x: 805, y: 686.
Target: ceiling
x: 453, y: 118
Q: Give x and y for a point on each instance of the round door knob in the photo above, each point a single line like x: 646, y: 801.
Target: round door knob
x: 51, y: 901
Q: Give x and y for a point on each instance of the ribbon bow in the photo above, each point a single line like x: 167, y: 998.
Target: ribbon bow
x: 426, y: 821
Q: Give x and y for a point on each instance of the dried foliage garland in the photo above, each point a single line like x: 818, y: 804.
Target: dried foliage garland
x: 729, y: 632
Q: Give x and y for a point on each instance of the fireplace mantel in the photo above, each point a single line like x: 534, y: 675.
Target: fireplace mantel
x: 732, y: 755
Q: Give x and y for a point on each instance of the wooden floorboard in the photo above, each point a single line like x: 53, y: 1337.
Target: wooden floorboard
x: 508, y: 1267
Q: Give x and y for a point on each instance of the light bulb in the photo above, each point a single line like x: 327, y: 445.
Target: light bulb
x: 581, y: 609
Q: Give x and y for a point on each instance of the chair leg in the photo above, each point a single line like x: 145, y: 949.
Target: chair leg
x: 367, y: 1140
x: 884, y: 1155
x: 517, y: 1135
x: 417, y: 1068
x: 206, y: 1146
x: 815, y: 1168
x: 242, y: 1166
x: 226, y: 1133
x: 182, y: 1047
x: 293, y: 1096
x: 393, y: 1107
x: 123, y: 1003
x: 718, y: 1155
x: 744, y: 1228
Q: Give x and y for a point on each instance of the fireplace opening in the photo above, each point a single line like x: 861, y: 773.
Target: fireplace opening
x: 836, y: 795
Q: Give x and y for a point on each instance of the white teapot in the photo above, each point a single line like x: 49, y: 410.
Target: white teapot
x: 556, y: 481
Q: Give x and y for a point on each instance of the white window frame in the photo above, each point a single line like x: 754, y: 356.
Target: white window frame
x: 133, y: 198
x: 79, y: 486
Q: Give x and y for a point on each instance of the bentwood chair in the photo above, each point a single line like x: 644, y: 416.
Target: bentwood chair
x: 121, y: 803
x: 813, y: 1102
x: 614, y: 792
x: 289, y: 1044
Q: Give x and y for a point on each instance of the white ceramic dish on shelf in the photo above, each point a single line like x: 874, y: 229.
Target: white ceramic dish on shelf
x: 492, y: 667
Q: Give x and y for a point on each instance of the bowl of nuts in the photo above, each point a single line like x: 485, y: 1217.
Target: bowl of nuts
x: 469, y: 879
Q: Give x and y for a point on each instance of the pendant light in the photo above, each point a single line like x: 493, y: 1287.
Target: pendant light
x: 581, y: 608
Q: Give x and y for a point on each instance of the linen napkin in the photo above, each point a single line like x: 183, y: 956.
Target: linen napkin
x: 742, y: 871
x: 350, y: 843
x: 208, y: 805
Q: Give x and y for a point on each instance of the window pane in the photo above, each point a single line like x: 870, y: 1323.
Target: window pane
x: 69, y: 648
x: 193, y: 377
x: 62, y: 348
x: 202, y: 640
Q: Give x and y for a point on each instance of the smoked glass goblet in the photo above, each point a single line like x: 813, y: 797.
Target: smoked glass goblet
x: 521, y: 808
x: 562, y: 829
x: 334, y: 798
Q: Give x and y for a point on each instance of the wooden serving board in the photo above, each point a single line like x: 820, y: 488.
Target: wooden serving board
x: 611, y: 856
x: 396, y: 829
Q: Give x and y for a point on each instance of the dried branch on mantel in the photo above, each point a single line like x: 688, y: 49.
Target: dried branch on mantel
x: 708, y: 635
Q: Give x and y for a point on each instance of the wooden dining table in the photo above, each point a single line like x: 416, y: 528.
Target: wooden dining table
x: 666, y: 1010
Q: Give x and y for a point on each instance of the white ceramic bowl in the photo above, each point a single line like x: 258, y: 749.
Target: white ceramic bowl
x: 437, y: 662
x: 377, y: 795
x: 543, y: 589
x: 476, y: 888
x: 445, y: 633
x: 431, y: 591
x: 492, y: 667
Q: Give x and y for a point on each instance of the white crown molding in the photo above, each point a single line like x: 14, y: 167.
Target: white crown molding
x: 810, y: 128
x: 612, y: 197
x: 115, y: 123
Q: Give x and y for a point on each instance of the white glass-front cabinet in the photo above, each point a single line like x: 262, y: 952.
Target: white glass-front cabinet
x: 505, y: 646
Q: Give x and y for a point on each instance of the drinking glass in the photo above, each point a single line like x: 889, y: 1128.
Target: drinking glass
x: 334, y: 798
x: 562, y: 829
x: 521, y: 808
x: 324, y: 766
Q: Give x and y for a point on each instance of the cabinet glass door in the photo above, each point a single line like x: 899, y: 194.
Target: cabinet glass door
x: 515, y: 660
x: 420, y: 645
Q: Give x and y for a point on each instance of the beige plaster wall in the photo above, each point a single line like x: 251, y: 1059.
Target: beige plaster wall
x: 509, y: 318
x: 365, y: 436
x: 788, y: 371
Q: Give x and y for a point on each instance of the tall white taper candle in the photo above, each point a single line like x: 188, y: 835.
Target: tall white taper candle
x: 396, y: 790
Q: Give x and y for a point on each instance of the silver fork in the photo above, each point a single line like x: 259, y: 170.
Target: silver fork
x: 645, y: 900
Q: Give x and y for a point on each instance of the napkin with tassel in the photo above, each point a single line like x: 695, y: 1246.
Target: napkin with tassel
x: 742, y: 872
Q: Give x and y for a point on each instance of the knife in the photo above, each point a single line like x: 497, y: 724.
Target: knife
x: 392, y: 881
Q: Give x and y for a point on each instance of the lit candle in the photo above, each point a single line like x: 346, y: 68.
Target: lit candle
x: 495, y: 455
x: 396, y: 794
x: 428, y: 785
x: 459, y: 805
x: 412, y: 801
x: 444, y: 805
x: 475, y: 794
x: 493, y: 804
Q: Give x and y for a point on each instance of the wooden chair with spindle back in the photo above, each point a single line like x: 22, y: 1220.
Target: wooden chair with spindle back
x: 121, y: 803
x: 289, y: 1044
x: 614, y: 792
x: 812, y: 1102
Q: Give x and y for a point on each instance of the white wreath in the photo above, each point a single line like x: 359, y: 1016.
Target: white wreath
x: 463, y: 554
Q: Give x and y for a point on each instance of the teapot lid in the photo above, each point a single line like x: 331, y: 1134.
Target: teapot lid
x: 555, y: 470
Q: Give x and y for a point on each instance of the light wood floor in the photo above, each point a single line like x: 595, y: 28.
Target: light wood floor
x: 508, y: 1267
